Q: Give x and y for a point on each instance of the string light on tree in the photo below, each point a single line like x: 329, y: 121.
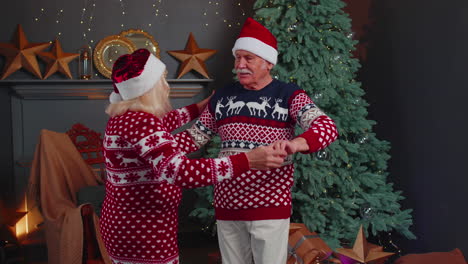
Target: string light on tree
x: 293, y: 28
x: 322, y: 154
x: 317, y: 97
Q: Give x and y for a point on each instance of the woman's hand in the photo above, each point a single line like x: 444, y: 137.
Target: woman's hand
x: 298, y: 144
x: 266, y: 157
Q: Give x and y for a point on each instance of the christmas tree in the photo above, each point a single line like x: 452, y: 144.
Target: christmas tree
x: 345, y: 185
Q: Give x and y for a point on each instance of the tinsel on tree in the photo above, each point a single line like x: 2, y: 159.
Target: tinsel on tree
x: 345, y: 185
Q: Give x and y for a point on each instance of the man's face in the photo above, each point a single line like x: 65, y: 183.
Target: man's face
x: 253, y: 72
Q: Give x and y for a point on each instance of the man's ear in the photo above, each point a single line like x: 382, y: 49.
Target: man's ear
x: 270, y: 66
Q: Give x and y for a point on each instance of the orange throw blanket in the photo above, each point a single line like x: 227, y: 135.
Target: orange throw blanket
x: 58, y: 171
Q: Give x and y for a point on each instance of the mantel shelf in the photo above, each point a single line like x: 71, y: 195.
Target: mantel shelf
x: 90, y: 89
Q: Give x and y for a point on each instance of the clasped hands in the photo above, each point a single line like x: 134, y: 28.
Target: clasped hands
x: 273, y: 155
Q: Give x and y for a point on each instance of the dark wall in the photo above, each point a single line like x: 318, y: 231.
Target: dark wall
x: 6, y: 160
x: 207, y: 20
x: 416, y: 80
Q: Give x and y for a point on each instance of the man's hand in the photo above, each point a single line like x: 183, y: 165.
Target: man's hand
x: 298, y: 144
x: 266, y: 157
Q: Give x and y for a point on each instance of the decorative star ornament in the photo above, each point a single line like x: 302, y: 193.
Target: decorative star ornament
x: 192, y: 58
x: 57, y: 60
x: 8, y: 218
x: 363, y: 251
x: 21, y: 54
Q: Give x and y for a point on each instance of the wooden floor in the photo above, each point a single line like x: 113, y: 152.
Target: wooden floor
x: 195, y: 248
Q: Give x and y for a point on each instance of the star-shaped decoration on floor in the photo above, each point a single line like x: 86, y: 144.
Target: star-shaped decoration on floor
x: 8, y: 219
x: 192, y: 58
x: 363, y: 251
x: 57, y: 60
x: 21, y: 54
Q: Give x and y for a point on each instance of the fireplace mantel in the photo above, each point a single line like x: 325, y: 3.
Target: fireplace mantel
x: 90, y: 89
x: 57, y: 104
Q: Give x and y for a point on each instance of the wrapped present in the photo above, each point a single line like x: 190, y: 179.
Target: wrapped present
x: 214, y: 258
x: 305, y: 247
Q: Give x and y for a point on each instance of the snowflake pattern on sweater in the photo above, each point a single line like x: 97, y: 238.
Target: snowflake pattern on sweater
x: 245, y: 119
x: 146, y: 169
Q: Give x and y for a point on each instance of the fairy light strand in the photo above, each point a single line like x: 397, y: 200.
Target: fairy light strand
x: 157, y: 12
x: 122, y: 6
x: 214, y: 9
x: 57, y: 21
x: 38, y: 18
x: 88, y: 7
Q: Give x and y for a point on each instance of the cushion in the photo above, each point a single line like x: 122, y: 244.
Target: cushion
x: 452, y: 257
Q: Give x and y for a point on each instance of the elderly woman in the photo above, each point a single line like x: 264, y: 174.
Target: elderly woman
x: 147, y: 166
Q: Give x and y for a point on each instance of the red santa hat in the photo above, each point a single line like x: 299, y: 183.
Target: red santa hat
x: 135, y: 74
x: 257, y: 39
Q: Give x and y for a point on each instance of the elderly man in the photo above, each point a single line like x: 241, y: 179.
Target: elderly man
x: 253, y: 211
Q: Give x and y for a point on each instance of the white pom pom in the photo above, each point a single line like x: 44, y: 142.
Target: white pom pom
x: 115, y: 98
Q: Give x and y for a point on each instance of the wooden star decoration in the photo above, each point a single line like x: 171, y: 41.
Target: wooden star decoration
x: 363, y: 251
x: 57, y: 60
x: 192, y: 58
x: 21, y: 54
x: 8, y: 218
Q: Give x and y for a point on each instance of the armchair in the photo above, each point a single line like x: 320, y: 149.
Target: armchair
x: 89, y: 144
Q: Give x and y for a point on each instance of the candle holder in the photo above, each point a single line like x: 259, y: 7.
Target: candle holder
x: 85, y: 66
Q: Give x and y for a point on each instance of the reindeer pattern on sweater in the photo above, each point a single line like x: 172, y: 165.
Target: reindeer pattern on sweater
x: 245, y: 119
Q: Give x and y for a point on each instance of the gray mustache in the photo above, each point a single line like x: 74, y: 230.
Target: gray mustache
x: 243, y: 71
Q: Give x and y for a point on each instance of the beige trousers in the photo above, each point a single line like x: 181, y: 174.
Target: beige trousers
x: 259, y: 242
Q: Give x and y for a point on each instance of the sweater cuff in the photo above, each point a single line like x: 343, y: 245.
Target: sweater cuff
x: 312, y: 140
x: 193, y: 110
x: 240, y: 163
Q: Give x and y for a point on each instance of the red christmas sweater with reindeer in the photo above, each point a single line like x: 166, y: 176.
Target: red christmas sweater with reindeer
x: 146, y: 169
x: 245, y: 119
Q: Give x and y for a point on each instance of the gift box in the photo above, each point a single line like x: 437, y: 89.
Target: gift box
x: 305, y: 247
x: 214, y: 257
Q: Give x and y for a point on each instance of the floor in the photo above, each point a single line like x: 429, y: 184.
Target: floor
x: 195, y: 248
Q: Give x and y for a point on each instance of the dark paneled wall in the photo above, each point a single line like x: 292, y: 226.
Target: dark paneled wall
x: 6, y: 155
x: 415, y: 78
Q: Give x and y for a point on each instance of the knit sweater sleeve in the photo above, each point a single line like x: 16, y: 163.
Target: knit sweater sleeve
x: 185, y: 142
x: 204, y: 128
x: 169, y: 164
x: 179, y: 117
x: 319, y: 129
